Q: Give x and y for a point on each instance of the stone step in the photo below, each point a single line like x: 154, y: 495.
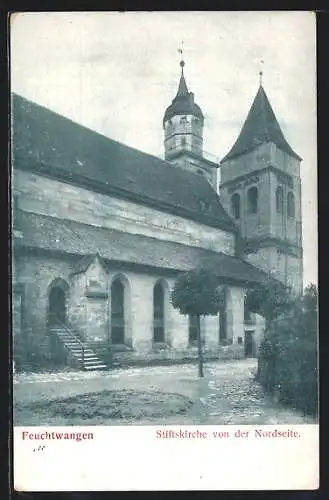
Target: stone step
x: 91, y: 359
x: 78, y: 349
x: 95, y: 367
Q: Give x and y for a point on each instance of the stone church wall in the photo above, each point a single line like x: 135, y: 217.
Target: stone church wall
x: 50, y: 197
x: 37, y: 273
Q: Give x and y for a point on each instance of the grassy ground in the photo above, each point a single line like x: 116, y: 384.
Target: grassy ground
x: 228, y: 394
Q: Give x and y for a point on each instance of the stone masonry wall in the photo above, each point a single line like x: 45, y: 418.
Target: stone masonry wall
x: 50, y: 197
x: 37, y: 273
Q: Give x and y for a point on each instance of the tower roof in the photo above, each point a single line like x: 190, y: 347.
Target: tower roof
x: 49, y: 144
x: 183, y: 103
x: 260, y: 127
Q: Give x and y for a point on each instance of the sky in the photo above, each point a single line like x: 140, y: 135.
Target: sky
x: 117, y: 72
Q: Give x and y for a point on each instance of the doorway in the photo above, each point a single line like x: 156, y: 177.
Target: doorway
x: 249, y: 345
x: 57, y: 306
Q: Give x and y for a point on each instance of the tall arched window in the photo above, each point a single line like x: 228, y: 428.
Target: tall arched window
x: 117, y: 312
x: 222, y: 317
x: 252, y: 197
x: 291, y: 205
x: 279, y: 199
x: 235, y: 206
x: 158, y: 313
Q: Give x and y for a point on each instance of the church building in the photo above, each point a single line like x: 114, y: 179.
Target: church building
x: 100, y: 232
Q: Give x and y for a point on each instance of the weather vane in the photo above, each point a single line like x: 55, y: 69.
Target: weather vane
x: 261, y: 73
x: 181, y: 51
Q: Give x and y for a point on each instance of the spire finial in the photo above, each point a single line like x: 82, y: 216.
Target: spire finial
x: 181, y: 51
x: 261, y: 73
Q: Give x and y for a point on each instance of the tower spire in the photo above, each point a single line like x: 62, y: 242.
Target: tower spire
x: 182, y: 88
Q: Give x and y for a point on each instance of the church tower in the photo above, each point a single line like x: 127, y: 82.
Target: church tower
x: 183, y: 134
x: 260, y: 188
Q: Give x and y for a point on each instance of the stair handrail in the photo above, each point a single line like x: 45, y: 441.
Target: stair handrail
x: 75, y: 337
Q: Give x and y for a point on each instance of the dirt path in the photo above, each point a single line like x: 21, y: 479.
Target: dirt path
x: 228, y: 394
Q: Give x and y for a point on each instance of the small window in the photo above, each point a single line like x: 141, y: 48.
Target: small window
x: 252, y: 197
x: 204, y: 205
x: 235, y: 206
x: 291, y: 205
x: 183, y: 141
x: 183, y: 119
x: 279, y: 200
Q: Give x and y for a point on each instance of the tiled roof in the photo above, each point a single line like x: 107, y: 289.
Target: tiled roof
x: 67, y: 236
x: 261, y: 126
x: 48, y: 143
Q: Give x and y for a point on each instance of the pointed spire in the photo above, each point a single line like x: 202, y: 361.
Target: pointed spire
x: 261, y: 126
x: 182, y: 87
x: 183, y: 103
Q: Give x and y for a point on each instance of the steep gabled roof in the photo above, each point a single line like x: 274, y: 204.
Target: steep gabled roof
x: 261, y: 126
x: 50, y: 144
x: 86, y: 261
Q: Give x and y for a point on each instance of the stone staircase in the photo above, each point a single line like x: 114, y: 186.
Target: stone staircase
x: 82, y: 355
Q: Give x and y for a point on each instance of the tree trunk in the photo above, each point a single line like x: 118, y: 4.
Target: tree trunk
x: 199, y: 347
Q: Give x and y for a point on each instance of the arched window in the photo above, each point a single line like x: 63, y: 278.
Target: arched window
x: 117, y: 312
x: 279, y: 199
x: 291, y: 205
x: 158, y: 313
x: 194, y: 324
x: 235, y: 206
x: 183, y: 140
x: 252, y: 197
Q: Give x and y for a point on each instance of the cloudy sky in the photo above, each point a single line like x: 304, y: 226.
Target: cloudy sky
x: 117, y: 72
